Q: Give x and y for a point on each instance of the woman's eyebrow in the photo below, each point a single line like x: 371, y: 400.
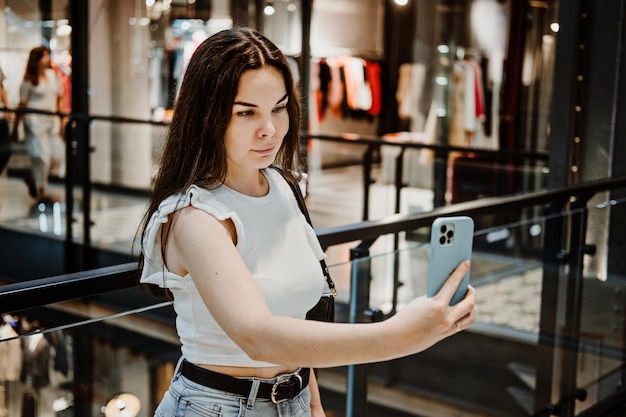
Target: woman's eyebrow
x: 243, y: 103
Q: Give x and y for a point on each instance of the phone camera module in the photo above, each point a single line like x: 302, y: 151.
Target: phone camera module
x: 446, y: 234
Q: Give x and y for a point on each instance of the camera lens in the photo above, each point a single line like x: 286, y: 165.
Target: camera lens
x: 443, y: 229
x: 442, y: 240
x: 450, y: 233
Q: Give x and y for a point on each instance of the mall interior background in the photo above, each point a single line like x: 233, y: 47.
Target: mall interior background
x: 135, y: 54
x: 144, y: 51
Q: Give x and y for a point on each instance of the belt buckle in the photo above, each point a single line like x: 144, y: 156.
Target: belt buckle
x: 281, y: 381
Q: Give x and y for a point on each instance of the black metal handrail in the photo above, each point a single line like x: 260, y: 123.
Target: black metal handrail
x: 441, y: 153
x: 24, y: 295
x: 413, y: 144
x: 399, y: 222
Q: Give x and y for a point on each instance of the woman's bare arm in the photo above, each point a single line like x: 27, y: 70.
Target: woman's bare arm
x: 200, y: 245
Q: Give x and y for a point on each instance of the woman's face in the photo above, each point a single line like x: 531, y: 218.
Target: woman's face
x: 44, y: 62
x: 259, y: 120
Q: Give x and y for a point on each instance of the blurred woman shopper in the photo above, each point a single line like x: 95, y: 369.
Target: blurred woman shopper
x: 41, y: 89
x: 5, y: 146
x: 223, y: 234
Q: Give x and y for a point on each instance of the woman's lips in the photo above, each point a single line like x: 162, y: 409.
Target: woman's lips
x: 266, y: 151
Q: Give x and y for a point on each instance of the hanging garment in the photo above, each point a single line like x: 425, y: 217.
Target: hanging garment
x: 10, y: 354
x: 335, y: 96
x: 36, y: 361
x: 411, y: 78
x: 358, y: 92
x: 468, y: 102
x: 373, y: 76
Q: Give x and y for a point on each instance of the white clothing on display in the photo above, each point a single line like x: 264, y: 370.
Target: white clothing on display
x: 411, y: 80
x: 10, y: 354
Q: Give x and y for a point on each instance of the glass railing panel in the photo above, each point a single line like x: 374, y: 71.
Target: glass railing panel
x: 125, y: 152
x: 121, y: 167
x: 336, y: 200
x: 21, y: 212
x: 118, y: 192
x: 495, y: 365
x: 123, y: 157
x: 121, y: 164
x: 20, y: 208
x: 475, y: 371
x: 74, y: 358
x: 601, y: 351
x: 473, y: 176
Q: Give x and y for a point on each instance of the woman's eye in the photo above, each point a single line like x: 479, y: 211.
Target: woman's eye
x: 280, y: 108
x: 245, y: 113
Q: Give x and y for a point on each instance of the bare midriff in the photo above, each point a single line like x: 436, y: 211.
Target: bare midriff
x: 248, y: 372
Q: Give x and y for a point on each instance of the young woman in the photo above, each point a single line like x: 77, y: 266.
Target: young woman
x: 5, y: 142
x: 224, y: 235
x: 41, y: 89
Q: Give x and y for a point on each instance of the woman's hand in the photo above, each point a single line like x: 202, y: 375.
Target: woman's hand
x: 426, y: 321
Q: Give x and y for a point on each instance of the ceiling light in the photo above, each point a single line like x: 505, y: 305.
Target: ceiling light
x: 269, y: 9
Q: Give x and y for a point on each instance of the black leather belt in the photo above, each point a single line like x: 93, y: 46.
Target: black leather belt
x: 285, y: 388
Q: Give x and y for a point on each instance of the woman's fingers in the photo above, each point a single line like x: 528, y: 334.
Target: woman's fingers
x: 454, y: 280
x: 466, y: 310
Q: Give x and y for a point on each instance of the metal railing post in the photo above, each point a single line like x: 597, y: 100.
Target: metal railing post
x: 367, y: 180
x: 356, y: 382
x: 578, y: 248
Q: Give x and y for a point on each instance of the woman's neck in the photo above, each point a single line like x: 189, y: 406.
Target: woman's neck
x: 253, y: 185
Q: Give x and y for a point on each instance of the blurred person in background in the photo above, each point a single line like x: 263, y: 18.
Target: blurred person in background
x: 5, y: 148
x: 41, y: 89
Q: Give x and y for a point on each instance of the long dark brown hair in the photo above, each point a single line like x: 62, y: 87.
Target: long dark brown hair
x: 194, y: 151
x: 32, y: 66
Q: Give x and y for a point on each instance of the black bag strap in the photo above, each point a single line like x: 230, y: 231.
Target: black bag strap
x: 300, y: 199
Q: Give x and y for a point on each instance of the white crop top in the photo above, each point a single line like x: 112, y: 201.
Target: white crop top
x: 279, y: 247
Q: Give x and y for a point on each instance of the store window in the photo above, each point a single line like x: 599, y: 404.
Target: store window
x: 468, y: 74
x: 176, y: 30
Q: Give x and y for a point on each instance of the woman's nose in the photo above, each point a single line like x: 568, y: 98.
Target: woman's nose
x: 267, y: 129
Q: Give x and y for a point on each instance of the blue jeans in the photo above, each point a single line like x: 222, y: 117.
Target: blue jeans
x: 189, y: 399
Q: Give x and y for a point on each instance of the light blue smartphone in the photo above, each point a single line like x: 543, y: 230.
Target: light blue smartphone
x: 451, y: 240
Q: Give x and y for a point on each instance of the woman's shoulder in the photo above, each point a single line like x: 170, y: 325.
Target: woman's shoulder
x: 195, y: 197
x: 51, y: 72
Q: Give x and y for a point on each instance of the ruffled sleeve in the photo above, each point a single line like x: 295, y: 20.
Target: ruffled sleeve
x: 154, y: 269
